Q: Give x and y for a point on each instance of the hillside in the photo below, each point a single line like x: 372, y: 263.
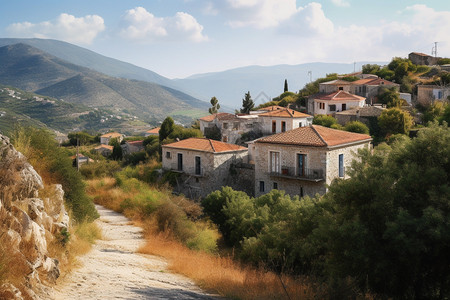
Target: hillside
x: 31, y: 69
x: 22, y: 108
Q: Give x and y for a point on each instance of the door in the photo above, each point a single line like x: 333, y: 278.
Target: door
x: 180, y: 162
x: 301, y: 164
x: 275, y: 162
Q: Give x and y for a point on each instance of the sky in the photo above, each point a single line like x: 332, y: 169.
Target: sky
x: 179, y: 38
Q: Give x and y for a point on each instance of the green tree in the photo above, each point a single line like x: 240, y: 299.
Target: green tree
x: 247, y: 103
x: 83, y: 137
x: 285, y: 86
x: 390, y: 97
x: 394, y: 120
x: 388, y: 228
x: 370, y: 69
x: 167, y: 128
x: 324, y: 120
x: 215, y: 106
x: 357, y: 127
x: 117, y: 152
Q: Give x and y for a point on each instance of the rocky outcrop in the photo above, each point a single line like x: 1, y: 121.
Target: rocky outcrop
x: 28, y: 223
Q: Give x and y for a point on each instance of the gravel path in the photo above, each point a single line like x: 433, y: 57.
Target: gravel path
x: 113, y: 269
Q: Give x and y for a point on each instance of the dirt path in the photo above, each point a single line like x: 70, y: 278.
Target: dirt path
x: 113, y: 269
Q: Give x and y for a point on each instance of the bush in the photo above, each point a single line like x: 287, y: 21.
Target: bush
x: 324, y: 120
x: 357, y: 127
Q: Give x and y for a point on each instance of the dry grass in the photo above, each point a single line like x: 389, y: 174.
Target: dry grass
x: 225, y: 276
x: 220, y: 275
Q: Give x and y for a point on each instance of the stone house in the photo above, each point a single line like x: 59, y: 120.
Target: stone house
x: 367, y: 115
x: 305, y: 160
x: 106, y: 138
x: 104, y: 150
x: 329, y: 104
x: 418, y: 58
x: 204, y: 165
x: 132, y: 147
x: 334, y: 86
x: 152, y: 132
x: 281, y: 120
x: 371, y: 87
x: 427, y: 94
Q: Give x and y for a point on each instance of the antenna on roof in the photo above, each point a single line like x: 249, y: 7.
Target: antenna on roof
x: 434, y: 49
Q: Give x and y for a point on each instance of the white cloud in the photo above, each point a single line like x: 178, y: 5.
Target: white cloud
x: 308, y: 21
x: 258, y: 13
x: 341, y: 3
x: 143, y: 25
x: 66, y: 27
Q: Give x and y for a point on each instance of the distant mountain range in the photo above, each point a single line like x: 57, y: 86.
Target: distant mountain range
x: 32, y: 69
x: 228, y: 86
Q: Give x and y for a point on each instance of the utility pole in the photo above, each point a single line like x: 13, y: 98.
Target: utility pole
x: 354, y: 67
x: 310, y: 76
x: 434, y: 49
x: 77, y: 159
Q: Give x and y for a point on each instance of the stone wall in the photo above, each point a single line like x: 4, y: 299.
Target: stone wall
x: 28, y: 223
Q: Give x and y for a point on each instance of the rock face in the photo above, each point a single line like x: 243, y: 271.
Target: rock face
x: 28, y: 223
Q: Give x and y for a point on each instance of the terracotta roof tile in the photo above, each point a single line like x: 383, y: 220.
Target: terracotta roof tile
x: 219, y: 116
x: 112, y: 135
x: 205, y: 145
x: 154, y: 130
x: 315, y: 136
x: 104, y: 147
x: 135, y: 143
x: 285, y: 113
x: 340, y: 96
x: 273, y: 107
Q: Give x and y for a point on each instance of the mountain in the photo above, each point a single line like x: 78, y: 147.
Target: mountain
x: 89, y: 59
x: 32, y: 69
x: 263, y: 82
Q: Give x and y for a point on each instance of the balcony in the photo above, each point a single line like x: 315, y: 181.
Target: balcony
x: 187, y: 170
x: 314, y: 175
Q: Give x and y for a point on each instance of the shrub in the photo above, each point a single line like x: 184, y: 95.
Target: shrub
x: 324, y: 120
x: 357, y: 127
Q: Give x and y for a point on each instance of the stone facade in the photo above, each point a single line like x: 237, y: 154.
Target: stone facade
x: 322, y: 166
x: 427, y: 94
x: 422, y: 59
x: 213, y: 172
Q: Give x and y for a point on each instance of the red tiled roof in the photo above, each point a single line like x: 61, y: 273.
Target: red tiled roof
x: 104, y: 147
x: 316, y: 136
x: 337, y: 82
x: 340, y: 96
x: 135, y: 143
x: 154, y: 130
x: 205, y: 145
x: 219, y: 116
x: 285, y: 113
x: 112, y: 135
x: 273, y: 107
x: 362, y: 81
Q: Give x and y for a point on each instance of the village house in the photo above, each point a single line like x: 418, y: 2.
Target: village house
x: 329, y: 104
x: 367, y: 115
x: 305, y: 160
x: 281, y: 120
x: 82, y: 159
x: 334, y: 85
x: 152, y: 132
x: 106, y: 138
x: 418, y: 58
x: 427, y: 94
x: 104, y: 150
x: 132, y: 147
x: 204, y: 165
x: 371, y: 88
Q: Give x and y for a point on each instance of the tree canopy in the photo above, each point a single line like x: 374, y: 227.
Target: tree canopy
x: 215, y: 106
x: 394, y: 120
x: 247, y: 103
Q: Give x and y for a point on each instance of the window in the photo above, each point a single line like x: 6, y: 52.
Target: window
x: 225, y: 125
x: 344, y: 106
x: 322, y: 105
x: 301, y: 164
x: 341, y: 165
x: 275, y: 185
x: 274, y: 126
x: 168, y: 155
x: 283, y: 126
x: 274, y: 162
x: 299, y: 124
x: 341, y: 88
x: 198, y: 166
x: 236, y: 126
x: 301, y: 192
x: 261, y: 186
x: 180, y: 161
x: 332, y: 107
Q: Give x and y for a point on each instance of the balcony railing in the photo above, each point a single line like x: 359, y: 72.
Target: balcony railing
x: 305, y: 174
x: 188, y: 170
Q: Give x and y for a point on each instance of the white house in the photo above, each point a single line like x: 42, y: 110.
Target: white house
x: 329, y: 104
x: 281, y: 120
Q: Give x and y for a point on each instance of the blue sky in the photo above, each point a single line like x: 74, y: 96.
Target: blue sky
x: 178, y: 38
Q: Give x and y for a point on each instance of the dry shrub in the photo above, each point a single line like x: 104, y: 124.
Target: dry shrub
x: 224, y: 275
